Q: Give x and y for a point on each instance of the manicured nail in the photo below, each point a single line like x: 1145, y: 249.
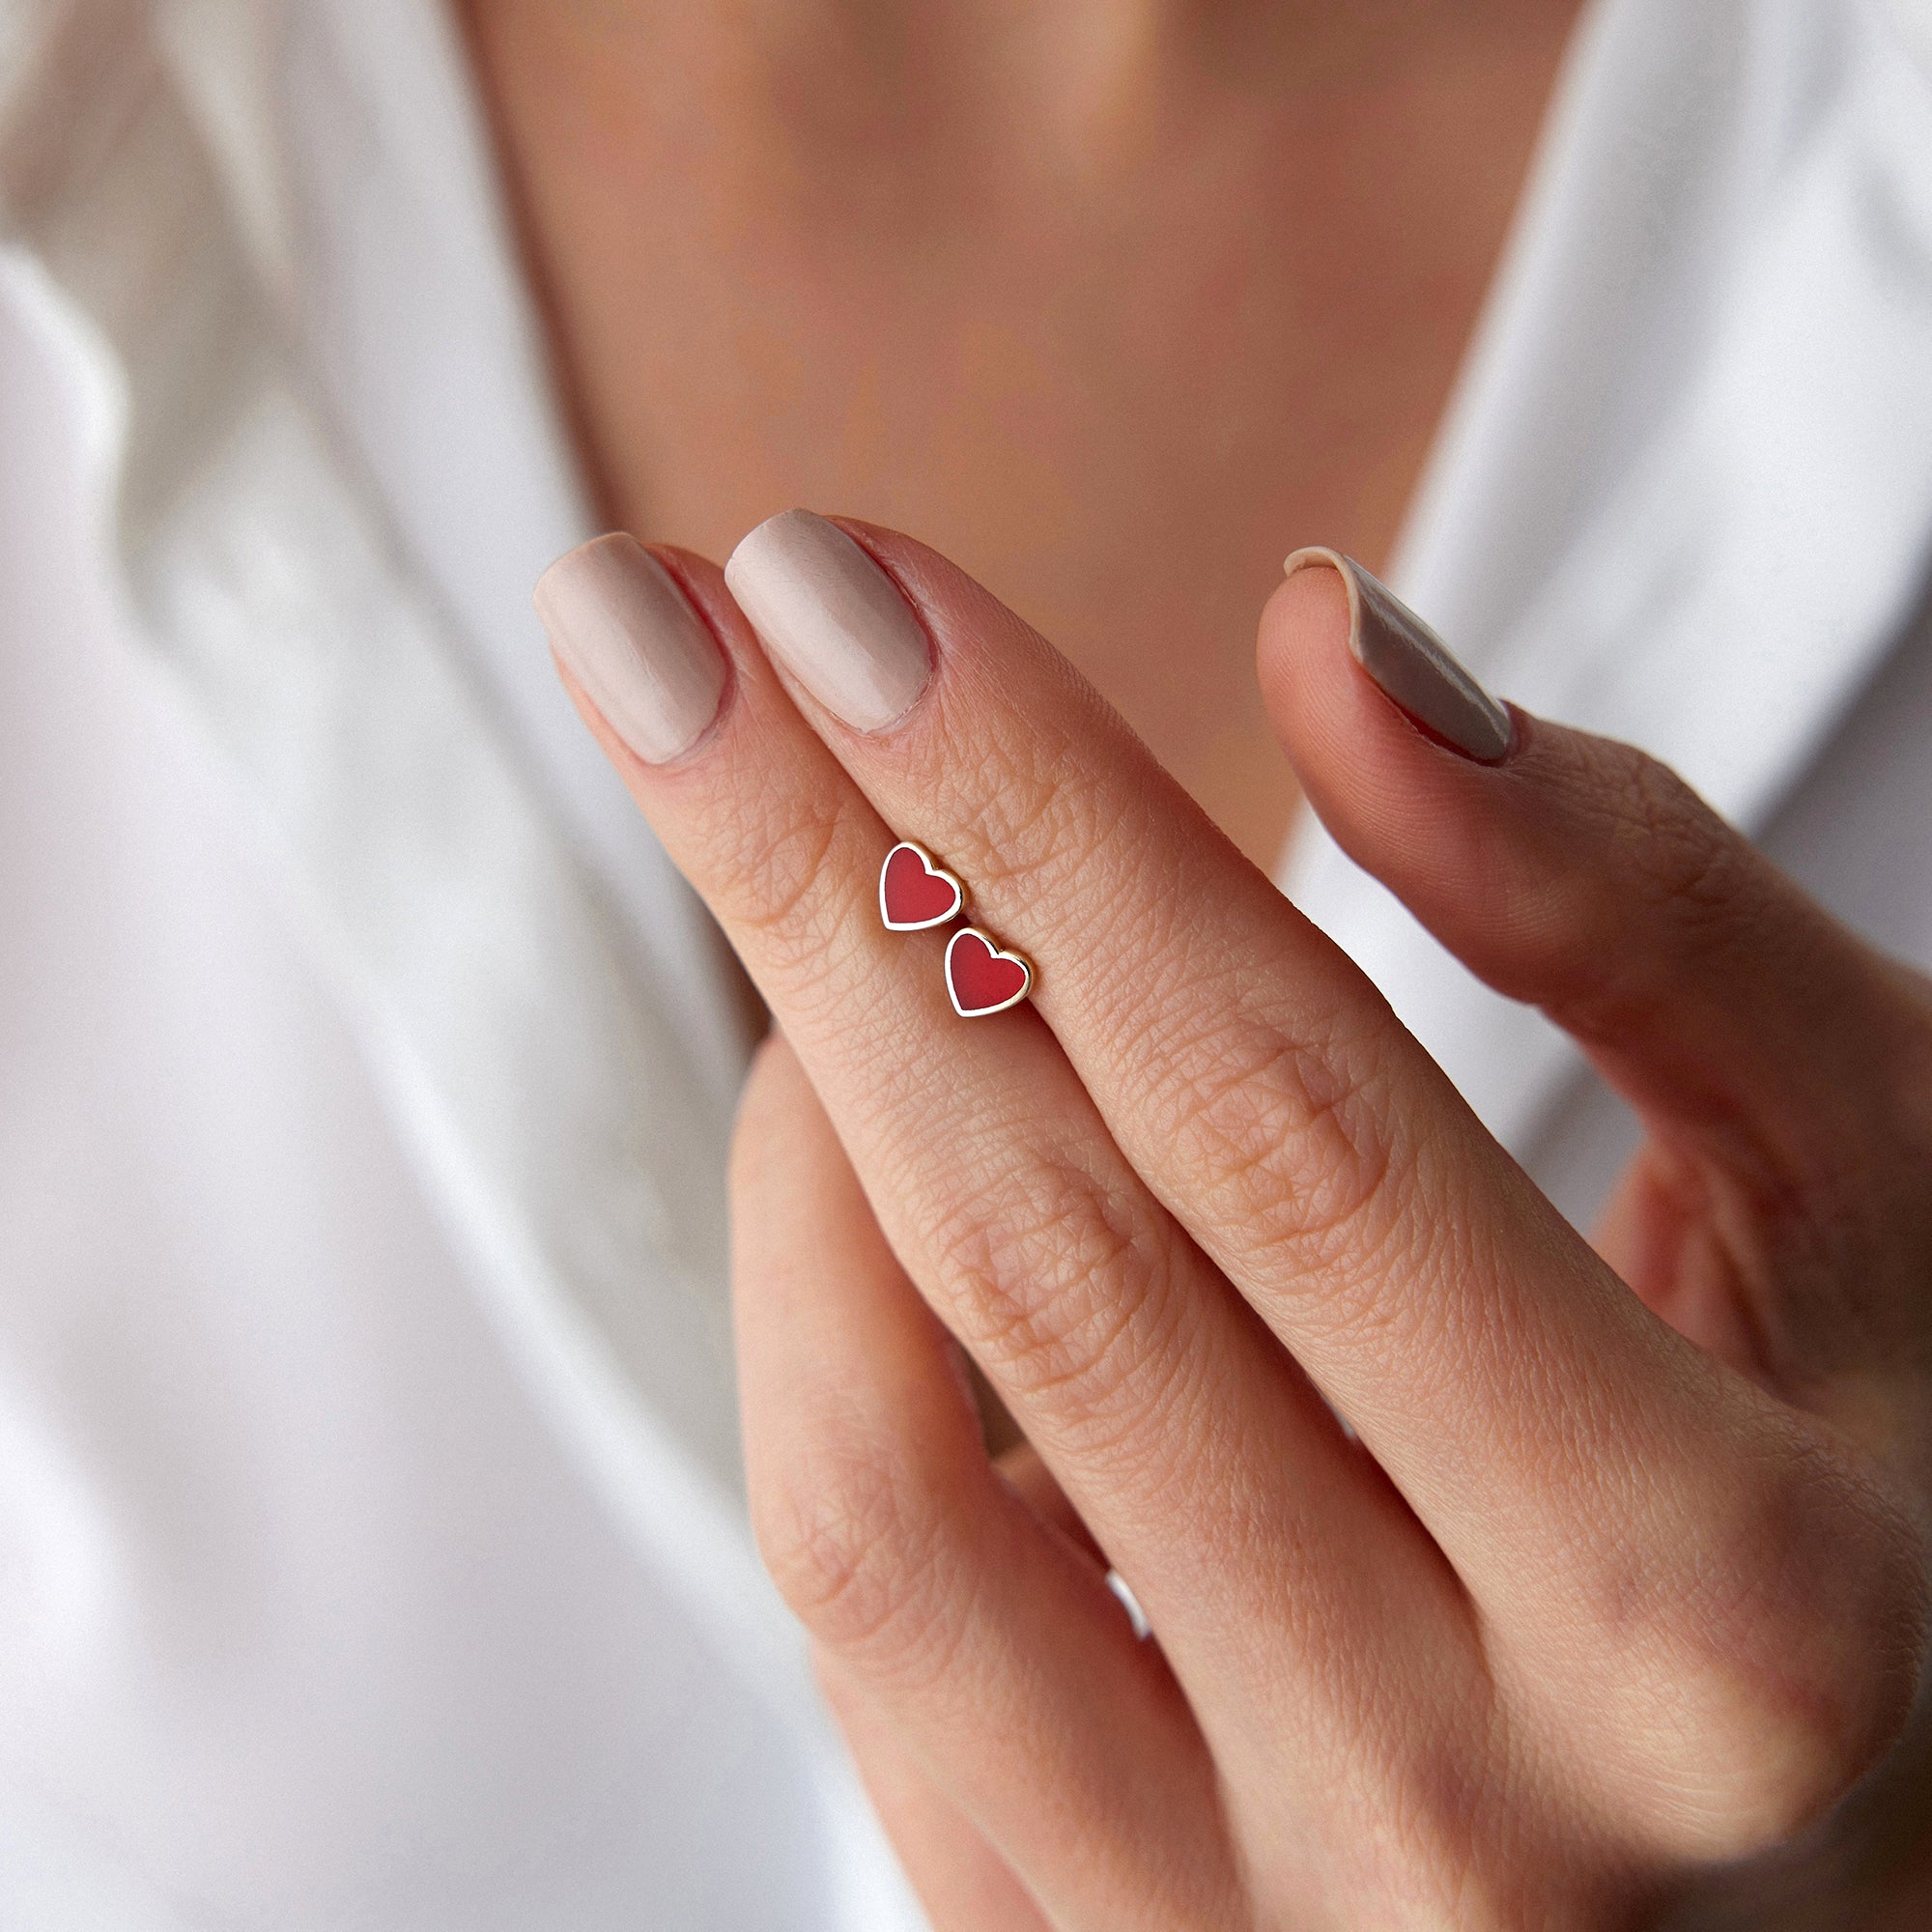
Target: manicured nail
x: 1413, y: 666
x: 629, y: 637
x: 832, y: 617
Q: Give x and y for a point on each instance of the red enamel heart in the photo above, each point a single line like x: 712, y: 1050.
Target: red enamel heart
x: 914, y: 893
x: 980, y: 978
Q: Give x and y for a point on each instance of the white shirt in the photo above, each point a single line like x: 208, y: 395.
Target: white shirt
x: 370, y: 1545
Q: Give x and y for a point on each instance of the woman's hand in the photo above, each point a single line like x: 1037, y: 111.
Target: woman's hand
x: 1618, y: 1570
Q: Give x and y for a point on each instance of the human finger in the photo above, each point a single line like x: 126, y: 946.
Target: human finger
x: 982, y: 1641
x: 1275, y: 1559
x: 1778, y: 1062
x: 1782, y: 1068
x: 963, y: 1883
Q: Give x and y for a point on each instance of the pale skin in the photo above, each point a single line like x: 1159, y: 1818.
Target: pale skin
x: 1620, y: 1579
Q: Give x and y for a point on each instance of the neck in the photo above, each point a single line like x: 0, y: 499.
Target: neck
x: 1102, y: 297
x: 1073, y: 76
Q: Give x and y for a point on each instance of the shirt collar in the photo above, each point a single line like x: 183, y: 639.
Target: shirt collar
x: 1686, y: 494
x: 330, y: 554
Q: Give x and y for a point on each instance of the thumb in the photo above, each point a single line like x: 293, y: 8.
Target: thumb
x: 1756, y: 1037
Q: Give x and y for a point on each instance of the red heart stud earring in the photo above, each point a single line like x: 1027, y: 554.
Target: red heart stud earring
x: 982, y: 978
x: 915, y: 894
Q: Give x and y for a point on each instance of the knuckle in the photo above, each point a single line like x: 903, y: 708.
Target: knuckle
x: 1686, y: 861
x: 1693, y: 874
x: 1060, y: 1288
x: 1765, y: 1766
x: 1797, y: 1647
x: 1286, y: 1140
x: 1043, y: 829
x: 784, y: 860
x: 849, y: 1539
x: 790, y: 887
x: 1025, y: 807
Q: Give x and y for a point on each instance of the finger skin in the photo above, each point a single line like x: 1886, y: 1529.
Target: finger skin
x: 963, y: 1883
x: 1031, y: 1480
x: 1775, y: 1060
x: 981, y: 1638
x: 1262, y: 1087
x: 1275, y: 1559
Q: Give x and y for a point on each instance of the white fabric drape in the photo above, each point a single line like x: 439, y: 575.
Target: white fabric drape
x: 545, y: 1066
x: 1707, y: 542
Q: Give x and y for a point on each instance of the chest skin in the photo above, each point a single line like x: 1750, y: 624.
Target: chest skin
x: 1114, y: 321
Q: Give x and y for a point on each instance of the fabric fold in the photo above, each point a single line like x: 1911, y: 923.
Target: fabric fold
x: 573, y: 1140
x: 1763, y: 544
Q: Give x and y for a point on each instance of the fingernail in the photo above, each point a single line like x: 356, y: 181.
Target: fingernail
x: 623, y: 627
x: 832, y: 617
x: 1412, y: 665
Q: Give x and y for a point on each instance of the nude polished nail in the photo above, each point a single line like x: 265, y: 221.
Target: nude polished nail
x: 642, y: 653
x: 1412, y: 665
x: 832, y: 617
